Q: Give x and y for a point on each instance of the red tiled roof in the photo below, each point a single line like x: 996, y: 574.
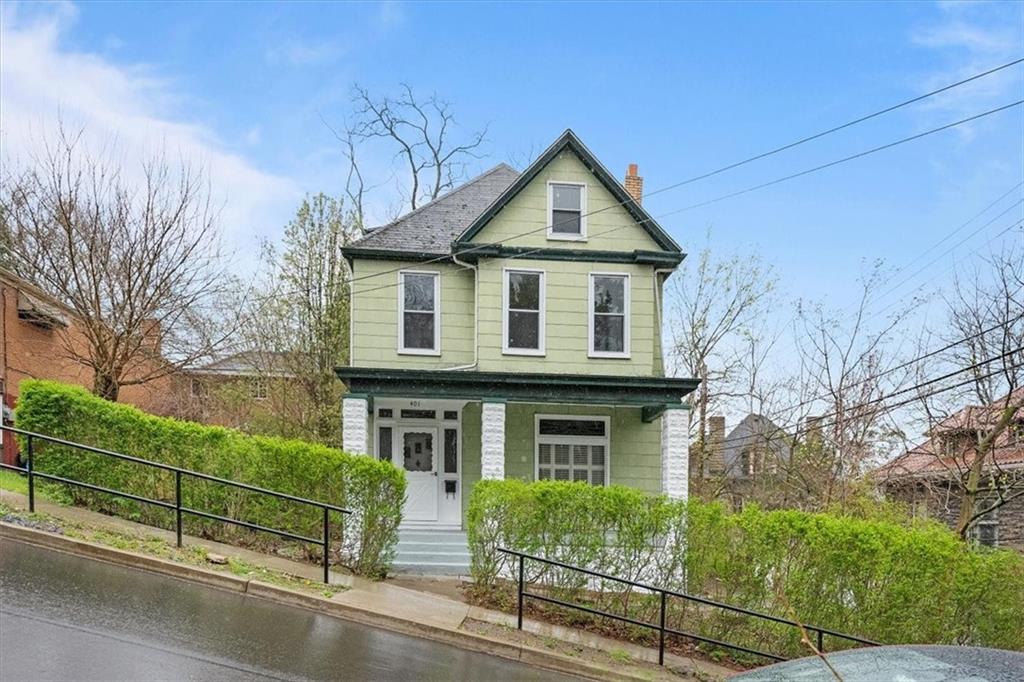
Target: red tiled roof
x: 930, y: 457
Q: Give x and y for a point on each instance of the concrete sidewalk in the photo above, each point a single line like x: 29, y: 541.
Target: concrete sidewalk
x: 414, y: 611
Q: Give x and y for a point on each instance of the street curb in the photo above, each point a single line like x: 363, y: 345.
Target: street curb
x: 459, y: 638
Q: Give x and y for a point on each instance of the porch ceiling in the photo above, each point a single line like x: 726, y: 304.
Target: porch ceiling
x: 652, y: 393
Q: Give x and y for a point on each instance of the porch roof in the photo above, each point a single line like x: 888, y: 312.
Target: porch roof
x: 653, y: 394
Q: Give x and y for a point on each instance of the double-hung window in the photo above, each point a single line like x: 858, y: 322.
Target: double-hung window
x: 609, y: 315
x: 566, y: 216
x: 523, y: 318
x: 419, y: 313
x: 572, y: 449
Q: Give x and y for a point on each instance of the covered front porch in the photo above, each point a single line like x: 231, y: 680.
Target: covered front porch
x: 450, y: 429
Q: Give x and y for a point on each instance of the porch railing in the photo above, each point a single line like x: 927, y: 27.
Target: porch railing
x: 176, y: 506
x: 664, y: 595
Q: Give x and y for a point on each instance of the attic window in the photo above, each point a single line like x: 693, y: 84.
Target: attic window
x: 565, y: 210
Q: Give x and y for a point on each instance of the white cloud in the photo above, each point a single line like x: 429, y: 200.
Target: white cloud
x: 133, y: 105
x: 972, y: 38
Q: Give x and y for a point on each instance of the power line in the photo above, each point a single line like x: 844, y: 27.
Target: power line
x: 1014, y: 224
x: 798, y: 430
x: 751, y: 159
x: 808, y: 171
x: 848, y: 158
x: 835, y: 129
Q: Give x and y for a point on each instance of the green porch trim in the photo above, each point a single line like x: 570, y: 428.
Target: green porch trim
x: 633, y: 391
x: 569, y: 139
x: 472, y: 253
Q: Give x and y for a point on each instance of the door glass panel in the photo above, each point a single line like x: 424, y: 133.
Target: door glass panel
x: 384, y: 443
x: 451, y: 451
x: 418, y: 450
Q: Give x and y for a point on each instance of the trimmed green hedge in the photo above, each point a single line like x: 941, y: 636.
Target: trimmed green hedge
x: 374, y: 490
x: 880, y: 580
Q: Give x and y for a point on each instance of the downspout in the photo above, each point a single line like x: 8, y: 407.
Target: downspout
x: 476, y: 315
x: 658, y: 312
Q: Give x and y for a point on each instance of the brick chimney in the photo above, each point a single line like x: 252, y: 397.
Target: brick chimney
x: 716, y: 436
x: 151, y: 335
x: 634, y: 184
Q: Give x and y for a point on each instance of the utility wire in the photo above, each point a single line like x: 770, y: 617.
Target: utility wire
x: 751, y: 159
x: 845, y: 159
x: 797, y: 430
x: 721, y: 198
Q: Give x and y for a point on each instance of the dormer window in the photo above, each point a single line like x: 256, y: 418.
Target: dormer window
x: 566, y: 219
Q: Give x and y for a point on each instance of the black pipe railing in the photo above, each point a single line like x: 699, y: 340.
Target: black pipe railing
x: 664, y: 595
x: 30, y: 471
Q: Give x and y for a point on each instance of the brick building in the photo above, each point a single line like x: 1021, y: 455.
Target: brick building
x: 35, y: 333
x: 928, y: 476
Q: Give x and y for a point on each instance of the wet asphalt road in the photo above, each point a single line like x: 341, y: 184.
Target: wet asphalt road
x: 67, y: 618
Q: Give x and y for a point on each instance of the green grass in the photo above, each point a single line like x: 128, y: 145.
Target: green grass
x: 14, y: 482
x: 195, y: 555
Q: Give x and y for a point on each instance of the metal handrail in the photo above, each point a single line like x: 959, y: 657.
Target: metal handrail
x: 30, y: 470
x: 664, y: 594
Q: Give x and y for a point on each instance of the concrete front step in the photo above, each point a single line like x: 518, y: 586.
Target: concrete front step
x: 425, y: 551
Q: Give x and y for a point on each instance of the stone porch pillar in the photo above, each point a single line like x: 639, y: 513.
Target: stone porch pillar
x: 675, y: 453
x: 492, y: 440
x: 354, y: 426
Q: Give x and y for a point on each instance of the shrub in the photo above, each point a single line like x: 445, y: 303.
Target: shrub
x: 373, y: 490
x: 892, y: 582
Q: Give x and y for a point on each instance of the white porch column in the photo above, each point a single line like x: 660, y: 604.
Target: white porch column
x: 675, y: 453
x: 492, y: 440
x: 354, y: 425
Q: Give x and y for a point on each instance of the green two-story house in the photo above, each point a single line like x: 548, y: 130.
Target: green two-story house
x: 512, y: 328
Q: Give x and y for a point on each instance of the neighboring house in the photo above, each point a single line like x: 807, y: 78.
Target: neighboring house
x: 512, y: 329
x: 35, y: 331
x: 928, y: 476
x: 755, y: 447
x: 236, y: 391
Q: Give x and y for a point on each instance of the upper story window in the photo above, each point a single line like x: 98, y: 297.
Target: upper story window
x: 419, y: 296
x: 566, y: 219
x: 609, y: 315
x: 523, y: 318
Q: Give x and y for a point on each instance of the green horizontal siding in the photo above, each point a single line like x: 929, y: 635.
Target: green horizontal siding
x: 375, y: 316
x: 528, y: 212
x: 567, y: 320
x: 634, y: 454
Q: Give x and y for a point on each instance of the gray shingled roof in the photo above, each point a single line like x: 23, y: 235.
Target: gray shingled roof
x: 432, y: 228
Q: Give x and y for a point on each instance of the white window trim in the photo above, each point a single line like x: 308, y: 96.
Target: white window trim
x: 605, y: 440
x: 582, y: 236
x: 541, y: 339
x: 626, y: 323
x: 436, y: 350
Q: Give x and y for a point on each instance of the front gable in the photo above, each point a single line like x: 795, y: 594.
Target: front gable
x: 613, y: 222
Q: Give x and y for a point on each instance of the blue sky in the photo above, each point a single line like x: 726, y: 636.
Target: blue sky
x: 678, y: 88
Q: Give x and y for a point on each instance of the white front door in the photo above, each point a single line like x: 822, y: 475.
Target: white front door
x: 417, y: 454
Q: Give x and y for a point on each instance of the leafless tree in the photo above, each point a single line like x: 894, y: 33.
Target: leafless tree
x: 138, y: 262
x: 425, y: 134
x: 717, y: 305
x: 967, y: 428
x: 847, y: 360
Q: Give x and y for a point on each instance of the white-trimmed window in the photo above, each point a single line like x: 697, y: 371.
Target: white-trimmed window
x: 985, y: 529
x: 523, y: 312
x: 419, y: 319
x: 609, y: 315
x: 566, y: 213
x: 572, y: 448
